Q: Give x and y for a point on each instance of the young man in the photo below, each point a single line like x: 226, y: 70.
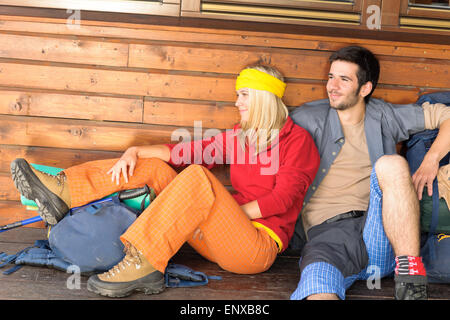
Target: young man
x: 361, y: 213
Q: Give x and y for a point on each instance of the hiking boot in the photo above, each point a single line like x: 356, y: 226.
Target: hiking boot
x: 133, y: 273
x: 409, y: 287
x: 50, y: 192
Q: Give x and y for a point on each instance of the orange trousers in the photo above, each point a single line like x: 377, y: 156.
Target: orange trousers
x: 192, y: 199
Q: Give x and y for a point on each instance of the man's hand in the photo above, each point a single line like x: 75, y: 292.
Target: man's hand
x: 425, y: 175
x: 429, y: 168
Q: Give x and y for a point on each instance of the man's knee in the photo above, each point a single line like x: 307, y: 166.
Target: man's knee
x: 391, y: 168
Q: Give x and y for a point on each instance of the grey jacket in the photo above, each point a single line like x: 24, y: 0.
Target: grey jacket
x: 385, y: 126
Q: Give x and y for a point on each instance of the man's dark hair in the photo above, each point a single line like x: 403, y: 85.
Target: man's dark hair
x: 369, y: 67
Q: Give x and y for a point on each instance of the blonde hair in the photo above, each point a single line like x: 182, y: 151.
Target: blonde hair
x: 267, y: 115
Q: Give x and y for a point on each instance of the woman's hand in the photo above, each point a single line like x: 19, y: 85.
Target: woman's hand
x: 198, y: 234
x: 125, y: 165
x: 127, y: 162
x: 251, y: 209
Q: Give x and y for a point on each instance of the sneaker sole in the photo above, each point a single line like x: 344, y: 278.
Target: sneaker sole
x: 124, y: 289
x: 49, y: 205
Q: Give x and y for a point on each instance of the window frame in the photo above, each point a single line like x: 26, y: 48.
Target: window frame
x: 354, y: 6
x: 316, y: 12
x: 423, y: 12
x: 163, y: 7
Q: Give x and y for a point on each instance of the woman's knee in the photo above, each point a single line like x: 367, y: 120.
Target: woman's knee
x: 194, y: 167
x: 158, y: 173
x: 196, y: 170
x: 155, y: 163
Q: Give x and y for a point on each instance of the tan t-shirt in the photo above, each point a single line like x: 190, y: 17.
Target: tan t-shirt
x: 347, y: 185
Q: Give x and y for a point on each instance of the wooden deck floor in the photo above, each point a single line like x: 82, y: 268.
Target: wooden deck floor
x: 36, y: 283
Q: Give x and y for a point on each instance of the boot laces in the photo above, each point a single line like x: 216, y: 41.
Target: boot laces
x: 131, y: 257
x: 60, y: 178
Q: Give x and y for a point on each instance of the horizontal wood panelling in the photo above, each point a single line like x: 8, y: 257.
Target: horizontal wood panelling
x: 54, y: 157
x: 419, y: 72
x: 81, y: 134
x: 228, y: 59
x: 7, y: 189
x: 12, y: 211
x: 124, y: 82
x: 63, y: 50
x: 292, y: 63
x: 71, y: 95
x: 211, y: 88
x: 219, y: 36
x: 33, y: 103
x: 185, y: 114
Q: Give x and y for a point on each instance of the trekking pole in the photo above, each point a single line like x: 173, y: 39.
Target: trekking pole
x: 20, y: 223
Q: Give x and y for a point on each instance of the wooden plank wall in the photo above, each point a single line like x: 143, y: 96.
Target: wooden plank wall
x: 69, y: 95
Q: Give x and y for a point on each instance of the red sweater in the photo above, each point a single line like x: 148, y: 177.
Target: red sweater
x: 278, y: 178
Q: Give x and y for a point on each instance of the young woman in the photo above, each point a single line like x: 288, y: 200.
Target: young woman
x: 272, y: 163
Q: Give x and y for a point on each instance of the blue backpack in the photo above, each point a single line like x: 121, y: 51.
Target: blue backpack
x: 435, y: 250
x: 87, y: 240
x: 88, y: 237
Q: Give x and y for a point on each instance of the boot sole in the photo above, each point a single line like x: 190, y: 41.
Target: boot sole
x: 50, y: 207
x: 124, y: 289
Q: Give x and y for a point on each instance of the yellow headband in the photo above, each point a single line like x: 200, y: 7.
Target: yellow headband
x: 255, y: 79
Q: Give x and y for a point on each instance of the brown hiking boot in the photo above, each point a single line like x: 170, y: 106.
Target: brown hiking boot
x: 51, y: 193
x: 133, y: 273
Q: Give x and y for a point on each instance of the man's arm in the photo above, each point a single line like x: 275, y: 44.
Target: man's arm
x: 430, y: 165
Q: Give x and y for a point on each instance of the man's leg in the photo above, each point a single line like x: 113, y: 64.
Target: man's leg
x: 320, y: 281
x: 400, y: 205
x: 401, y: 214
x: 334, y: 252
x: 378, y: 243
x: 323, y: 296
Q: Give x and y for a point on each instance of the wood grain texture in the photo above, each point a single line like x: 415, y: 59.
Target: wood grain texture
x: 277, y: 283
x: 70, y: 95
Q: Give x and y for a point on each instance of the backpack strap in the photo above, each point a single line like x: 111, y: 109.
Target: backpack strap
x: 434, y: 221
x: 435, y: 208
x: 179, y: 276
x: 40, y: 254
x: 176, y: 275
x: 8, y: 259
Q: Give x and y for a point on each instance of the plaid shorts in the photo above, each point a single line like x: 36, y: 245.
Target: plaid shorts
x: 323, y: 277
